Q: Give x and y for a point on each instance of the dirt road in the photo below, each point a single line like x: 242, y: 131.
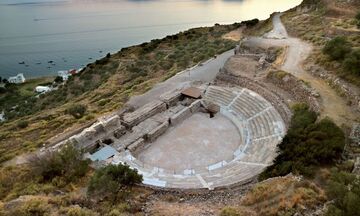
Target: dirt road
x: 333, y: 105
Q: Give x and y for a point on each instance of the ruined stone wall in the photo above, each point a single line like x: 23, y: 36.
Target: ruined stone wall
x: 170, y: 98
x: 137, y: 145
x: 111, y: 123
x: 152, y: 135
x: 351, y: 92
x: 146, y: 111
x: 297, y: 88
x: 131, y: 130
x: 195, y: 106
x: 178, y: 117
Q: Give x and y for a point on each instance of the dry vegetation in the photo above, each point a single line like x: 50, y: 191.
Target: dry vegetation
x: 279, y: 196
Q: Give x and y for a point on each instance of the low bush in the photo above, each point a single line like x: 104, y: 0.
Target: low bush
x: 12, y: 177
x: 2, y: 90
x: 58, y: 79
x: 77, y: 110
x: 352, y: 62
x: 66, y: 165
x: 307, y: 145
x: 337, y: 48
x: 344, y: 189
x: 22, y: 124
x: 109, y: 181
x: 250, y: 23
x: 357, y: 17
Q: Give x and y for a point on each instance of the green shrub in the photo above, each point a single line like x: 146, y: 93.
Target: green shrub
x: 357, y: 17
x: 58, y: 79
x: 337, y: 48
x: 62, y: 166
x: 109, y: 180
x: 250, y: 23
x: 77, y: 110
x: 344, y: 189
x: 2, y: 90
x: 22, y: 124
x: 307, y: 145
x: 352, y: 62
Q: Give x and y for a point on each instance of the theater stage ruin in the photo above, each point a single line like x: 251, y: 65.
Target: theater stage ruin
x: 223, y: 136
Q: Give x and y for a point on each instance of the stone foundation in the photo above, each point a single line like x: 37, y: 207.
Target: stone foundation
x: 195, y: 106
x: 171, y: 98
x: 157, y: 131
x: 111, y: 123
x: 137, y: 145
x: 183, y: 114
x: 297, y: 88
x: 146, y: 111
x: 119, y: 132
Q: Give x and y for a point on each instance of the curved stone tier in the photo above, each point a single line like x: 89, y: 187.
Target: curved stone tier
x: 260, y: 127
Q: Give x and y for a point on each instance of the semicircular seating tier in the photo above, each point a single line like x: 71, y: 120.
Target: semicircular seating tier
x: 260, y: 126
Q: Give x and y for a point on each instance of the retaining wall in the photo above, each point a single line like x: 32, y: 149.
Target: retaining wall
x: 180, y: 116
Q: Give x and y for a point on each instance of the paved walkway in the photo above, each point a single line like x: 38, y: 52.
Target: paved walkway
x: 204, y: 73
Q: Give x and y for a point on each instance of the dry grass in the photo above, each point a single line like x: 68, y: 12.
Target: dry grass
x: 283, y: 195
x: 235, y: 35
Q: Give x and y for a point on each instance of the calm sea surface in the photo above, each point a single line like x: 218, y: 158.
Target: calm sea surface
x: 74, y: 33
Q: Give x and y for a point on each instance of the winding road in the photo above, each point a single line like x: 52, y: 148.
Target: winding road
x: 332, y: 104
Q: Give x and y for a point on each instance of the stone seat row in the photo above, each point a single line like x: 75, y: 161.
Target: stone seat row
x: 246, y: 107
x: 229, y: 174
x: 256, y: 157
x: 261, y: 151
x: 266, y: 124
x: 221, y: 96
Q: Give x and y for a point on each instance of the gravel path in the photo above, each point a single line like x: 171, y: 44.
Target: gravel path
x: 333, y: 105
x: 279, y: 30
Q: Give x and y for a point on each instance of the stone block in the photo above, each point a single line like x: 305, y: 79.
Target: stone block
x: 195, y: 106
x: 119, y: 132
x: 111, y: 123
x: 170, y: 98
x: 138, y: 144
x: 144, y: 112
x: 178, y: 117
x: 356, y: 169
x: 98, y: 128
x: 152, y: 135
